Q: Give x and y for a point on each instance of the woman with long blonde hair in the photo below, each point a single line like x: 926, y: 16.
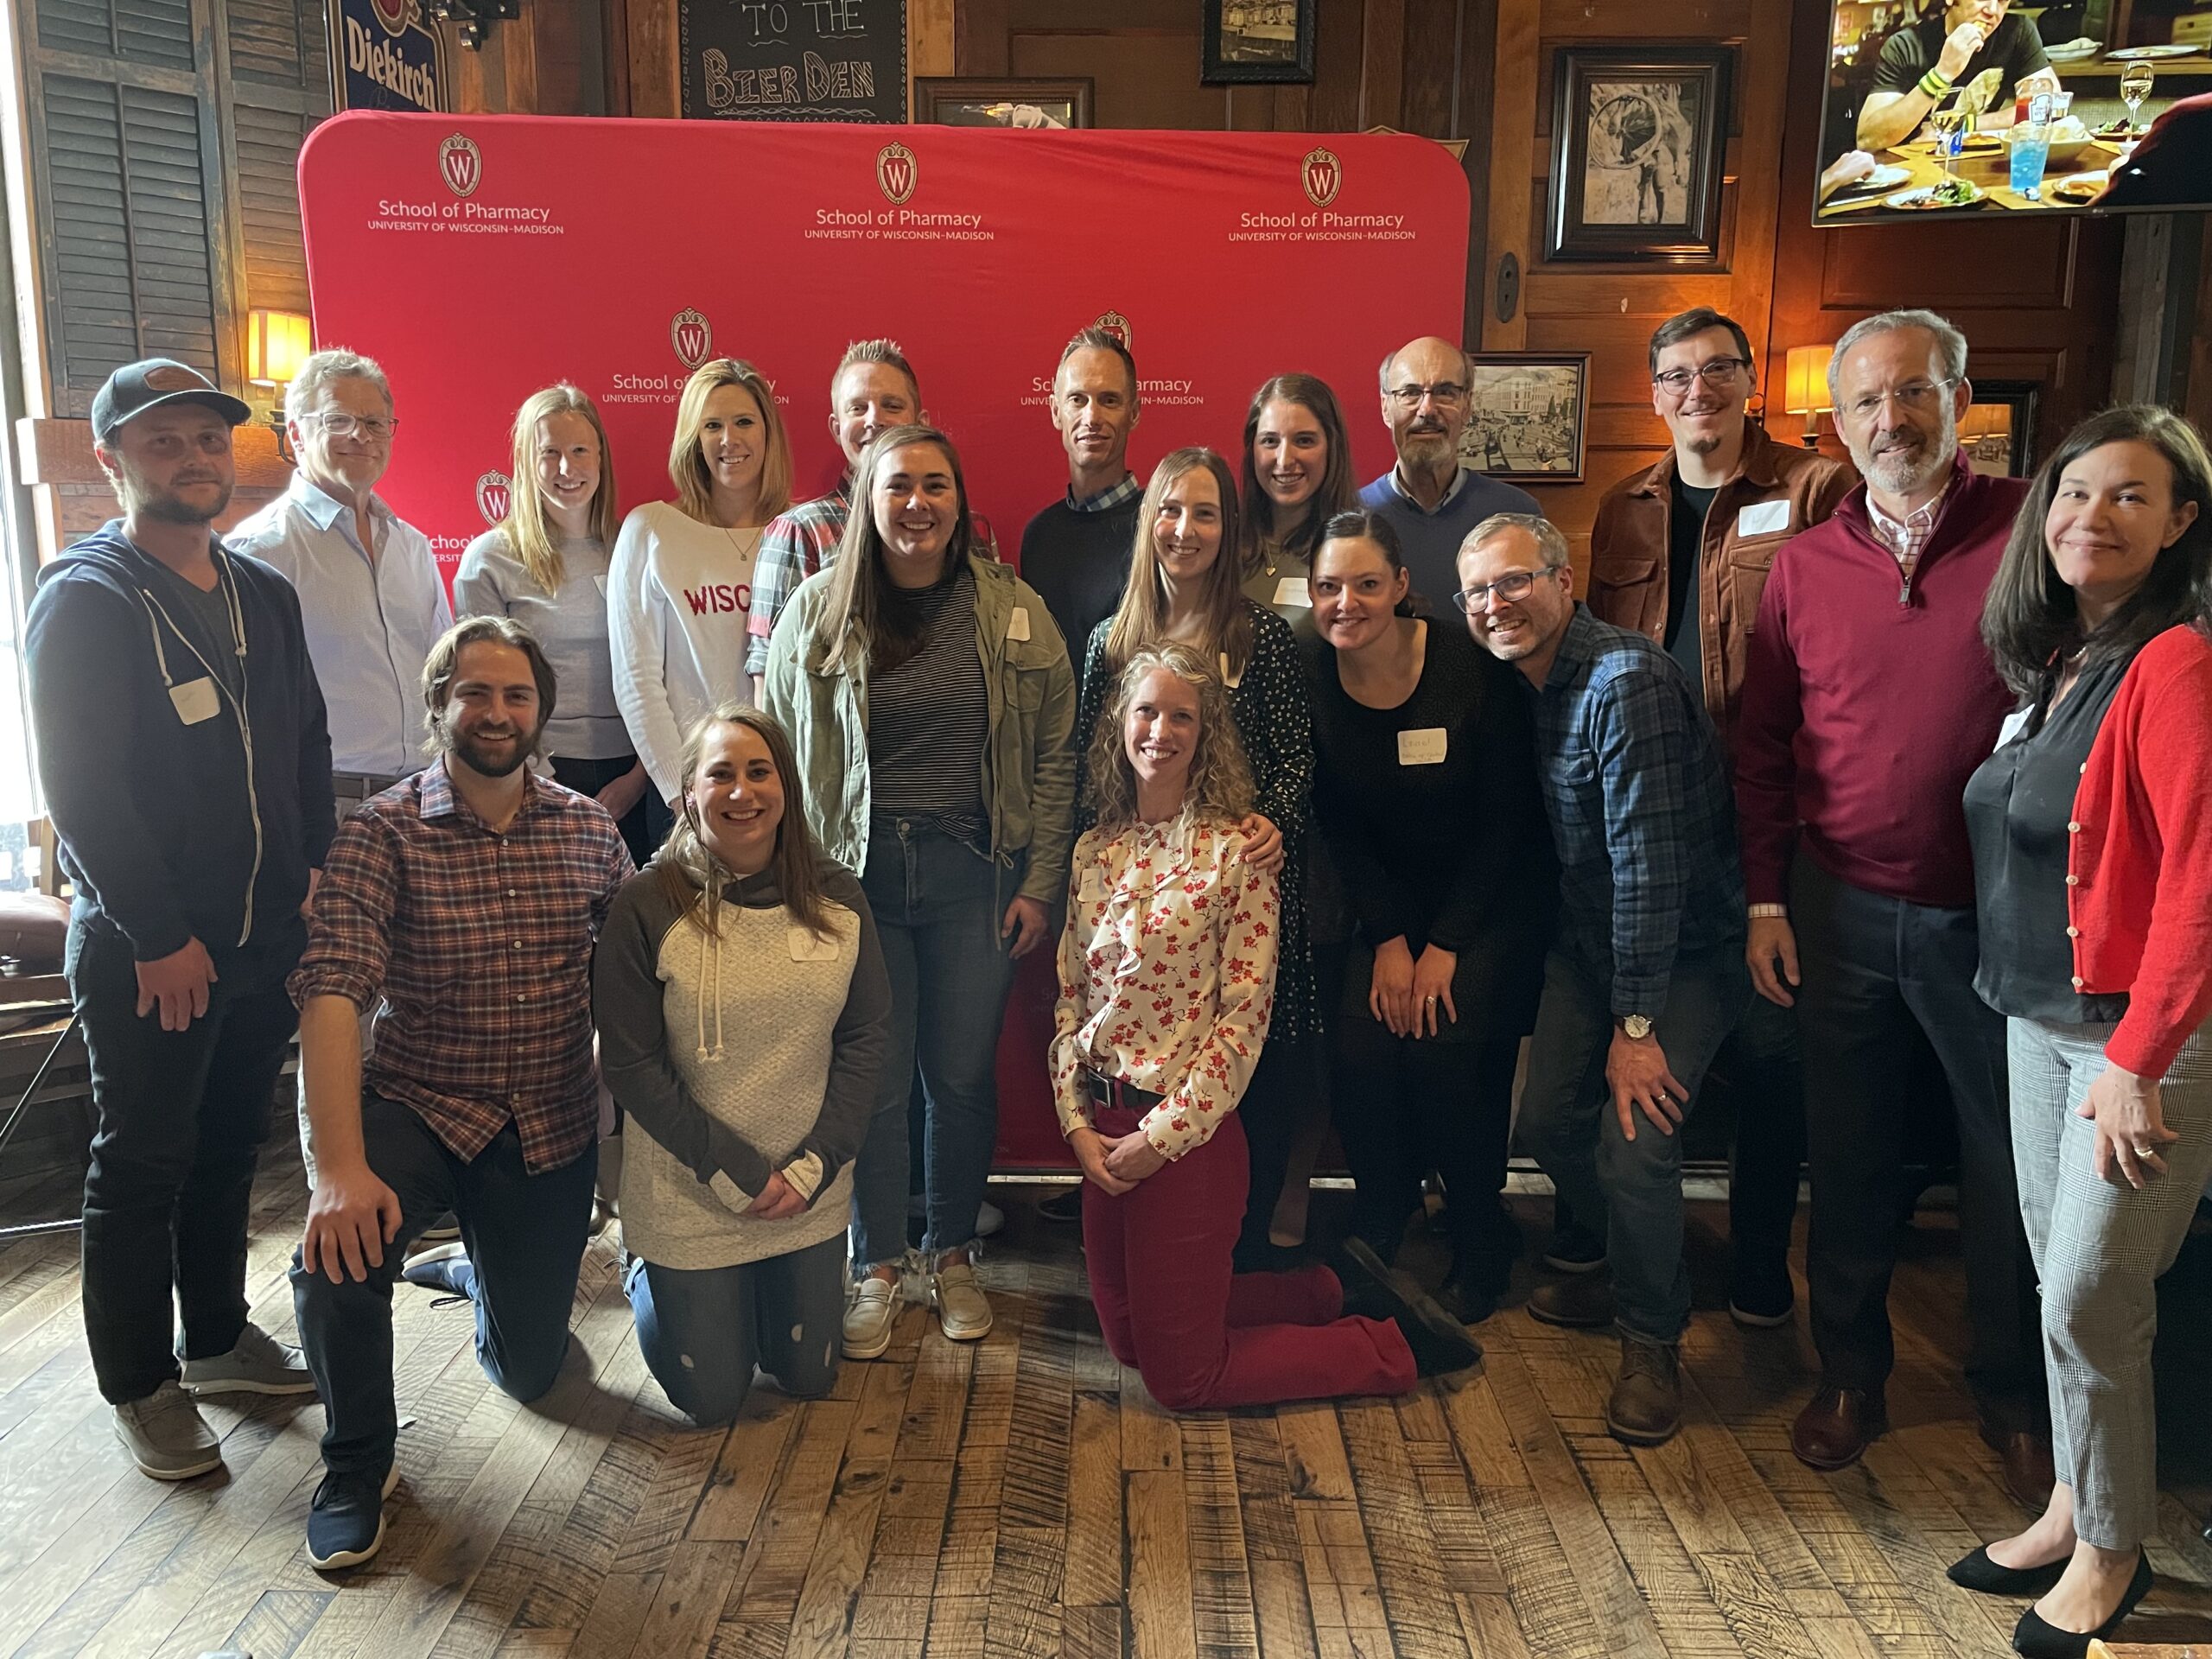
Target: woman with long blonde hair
x: 929, y: 700
x: 743, y: 1013
x: 681, y: 591
x: 545, y: 564
x: 1167, y: 979
x: 1185, y: 588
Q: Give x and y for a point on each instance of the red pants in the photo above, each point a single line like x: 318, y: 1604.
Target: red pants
x: 1199, y: 1333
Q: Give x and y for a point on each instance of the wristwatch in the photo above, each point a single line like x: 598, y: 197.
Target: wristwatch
x: 1636, y: 1027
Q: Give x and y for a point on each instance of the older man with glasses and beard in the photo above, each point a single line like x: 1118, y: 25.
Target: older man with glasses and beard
x: 467, y: 899
x: 1868, y: 702
x: 181, y: 749
x: 1431, y: 500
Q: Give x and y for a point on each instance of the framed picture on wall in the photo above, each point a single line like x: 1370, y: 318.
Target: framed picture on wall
x: 1527, y: 413
x: 1638, y: 140
x: 1999, y: 432
x: 974, y: 101
x: 1257, y: 40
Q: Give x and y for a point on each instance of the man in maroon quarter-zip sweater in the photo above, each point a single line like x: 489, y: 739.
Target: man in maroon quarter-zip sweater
x: 1868, y: 702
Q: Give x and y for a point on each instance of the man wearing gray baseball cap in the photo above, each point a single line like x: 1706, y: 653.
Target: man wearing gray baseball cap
x: 186, y: 770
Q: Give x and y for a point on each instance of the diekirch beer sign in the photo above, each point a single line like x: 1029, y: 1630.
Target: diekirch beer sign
x: 386, y: 55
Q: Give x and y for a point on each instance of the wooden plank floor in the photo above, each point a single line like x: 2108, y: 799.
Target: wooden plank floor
x: 1024, y: 1497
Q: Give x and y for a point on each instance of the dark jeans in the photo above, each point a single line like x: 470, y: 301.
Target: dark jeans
x: 1275, y: 1102
x: 645, y: 826
x: 1874, y: 967
x: 182, y: 1115
x: 937, y: 905
x: 1405, y: 1106
x: 1629, y: 1191
x: 1767, y: 1077
x: 704, y: 1330
x: 525, y: 1235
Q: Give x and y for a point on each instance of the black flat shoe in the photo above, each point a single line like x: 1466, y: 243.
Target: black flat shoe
x: 1978, y: 1572
x: 2038, y: 1638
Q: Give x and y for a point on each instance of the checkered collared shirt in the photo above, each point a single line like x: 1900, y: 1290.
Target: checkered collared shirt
x: 1907, y: 538
x: 795, y: 546
x: 480, y: 942
x: 1107, y: 500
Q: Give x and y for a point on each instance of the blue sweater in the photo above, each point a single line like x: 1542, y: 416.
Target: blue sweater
x: 1431, y: 540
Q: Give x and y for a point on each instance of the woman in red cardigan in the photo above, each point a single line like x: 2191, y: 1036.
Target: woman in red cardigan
x: 2092, y: 828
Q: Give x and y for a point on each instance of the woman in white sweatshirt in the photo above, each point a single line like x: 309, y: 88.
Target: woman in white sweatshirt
x: 680, y: 591
x: 743, y: 1013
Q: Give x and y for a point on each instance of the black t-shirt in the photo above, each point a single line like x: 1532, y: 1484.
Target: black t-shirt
x: 2013, y: 46
x: 1685, y: 542
x: 205, y: 615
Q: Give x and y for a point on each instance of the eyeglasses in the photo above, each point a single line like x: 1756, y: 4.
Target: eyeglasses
x: 1918, y: 396
x: 1512, y: 587
x: 342, y: 425
x: 1445, y: 394
x: 1715, y: 371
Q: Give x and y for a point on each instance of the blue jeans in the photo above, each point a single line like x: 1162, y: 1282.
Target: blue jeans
x: 702, y: 1331
x: 937, y: 905
x: 525, y: 1235
x: 1630, y: 1191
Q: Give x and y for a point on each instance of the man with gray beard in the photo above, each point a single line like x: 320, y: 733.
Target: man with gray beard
x: 1868, y: 701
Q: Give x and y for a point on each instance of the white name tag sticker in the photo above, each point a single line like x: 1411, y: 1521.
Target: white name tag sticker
x: 1763, y: 519
x: 195, y: 701
x: 600, y: 582
x: 1424, y: 748
x: 1017, y: 625
x: 806, y: 946
x: 1291, y: 590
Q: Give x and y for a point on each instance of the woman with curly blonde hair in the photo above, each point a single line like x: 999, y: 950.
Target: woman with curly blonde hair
x: 1168, y: 969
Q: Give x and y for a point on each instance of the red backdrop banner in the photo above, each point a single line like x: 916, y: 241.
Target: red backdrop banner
x: 479, y: 259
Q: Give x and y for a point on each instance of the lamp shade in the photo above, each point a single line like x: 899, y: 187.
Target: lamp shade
x: 1805, y: 377
x: 276, y: 343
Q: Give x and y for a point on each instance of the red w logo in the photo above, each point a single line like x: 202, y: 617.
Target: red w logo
x: 895, y: 172
x: 493, y: 497
x: 692, y: 336
x: 1322, y: 175
x: 461, y: 164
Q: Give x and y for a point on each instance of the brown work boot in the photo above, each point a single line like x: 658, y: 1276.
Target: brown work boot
x: 1584, y: 1301
x: 1646, y: 1407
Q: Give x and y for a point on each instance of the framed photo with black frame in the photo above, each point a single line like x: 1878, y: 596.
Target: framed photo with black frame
x: 1023, y: 103
x: 1257, y: 40
x: 1999, y: 432
x: 1638, y: 139
x: 1527, y: 414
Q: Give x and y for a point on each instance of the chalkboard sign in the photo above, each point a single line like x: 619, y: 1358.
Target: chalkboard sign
x: 793, y: 60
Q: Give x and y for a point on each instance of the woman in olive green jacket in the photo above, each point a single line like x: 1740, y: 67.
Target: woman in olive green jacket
x: 930, y: 702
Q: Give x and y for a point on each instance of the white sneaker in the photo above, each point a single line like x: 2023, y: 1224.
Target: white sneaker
x: 962, y: 1311
x: 871, y: 1307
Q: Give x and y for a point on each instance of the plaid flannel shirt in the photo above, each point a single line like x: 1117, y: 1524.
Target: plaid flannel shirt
x: 480, y: 942
x: 795, y: 546
x: 1640, y: 809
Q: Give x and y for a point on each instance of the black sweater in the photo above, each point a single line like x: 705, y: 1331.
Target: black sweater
x: 173, y: 831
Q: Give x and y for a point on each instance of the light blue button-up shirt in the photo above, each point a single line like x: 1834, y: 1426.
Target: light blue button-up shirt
x: 370, y: 622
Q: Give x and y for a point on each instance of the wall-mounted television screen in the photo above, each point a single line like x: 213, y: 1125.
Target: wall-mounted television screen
x: 1952, y: 107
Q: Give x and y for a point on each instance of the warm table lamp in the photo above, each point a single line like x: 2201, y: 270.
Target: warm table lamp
x: 1805, y: 388
x: 276, y: 344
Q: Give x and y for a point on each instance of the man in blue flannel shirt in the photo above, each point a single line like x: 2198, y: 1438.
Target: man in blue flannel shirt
x: 1647, y: 974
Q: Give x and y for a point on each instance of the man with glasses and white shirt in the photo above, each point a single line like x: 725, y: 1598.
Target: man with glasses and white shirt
x: 1869, y: 700
x: 1431, y: 500
x: 1680, y: 553
x: 369, y: 587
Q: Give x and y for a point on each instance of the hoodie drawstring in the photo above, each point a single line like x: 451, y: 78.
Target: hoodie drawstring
x: 710, y: 942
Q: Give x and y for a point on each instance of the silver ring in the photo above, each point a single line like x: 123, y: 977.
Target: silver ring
x: 1430, y: 1000
x: 2144, y: 1152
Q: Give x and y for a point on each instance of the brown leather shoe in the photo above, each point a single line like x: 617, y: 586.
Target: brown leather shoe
x: 1835, y: 1426
x: 1646, y: 1405
x: 2029, y: 1474
x: 1584, y: 1302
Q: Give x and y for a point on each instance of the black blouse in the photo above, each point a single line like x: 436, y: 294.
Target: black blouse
x: 1454, y: 851
x: 2020, y: 807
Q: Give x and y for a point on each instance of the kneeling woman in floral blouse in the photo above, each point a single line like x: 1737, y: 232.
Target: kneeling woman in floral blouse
x: 1167, y: 972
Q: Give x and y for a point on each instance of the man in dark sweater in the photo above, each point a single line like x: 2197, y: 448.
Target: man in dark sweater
x: 185, y: 764
x: 1075, y: 552
x: 1869, y: 699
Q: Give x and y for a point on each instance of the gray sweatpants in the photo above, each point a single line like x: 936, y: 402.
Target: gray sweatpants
x: 2099, y: 1248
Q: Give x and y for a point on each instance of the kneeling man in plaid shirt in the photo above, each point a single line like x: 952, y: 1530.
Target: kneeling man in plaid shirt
x: 468, y: 898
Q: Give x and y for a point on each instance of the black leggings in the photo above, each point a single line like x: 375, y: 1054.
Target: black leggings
x: 645, y: 826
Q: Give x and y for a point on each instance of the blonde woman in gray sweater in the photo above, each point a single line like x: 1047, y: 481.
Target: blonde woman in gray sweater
x: 743, y: 1013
